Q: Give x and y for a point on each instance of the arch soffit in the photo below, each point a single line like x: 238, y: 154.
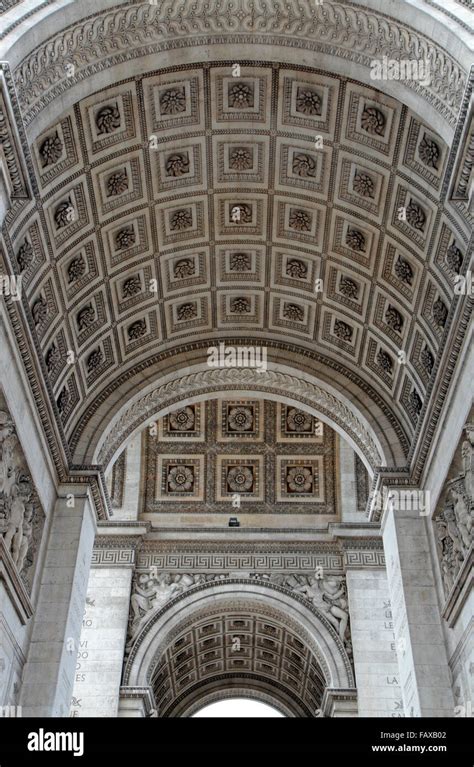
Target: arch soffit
x: 267, y: 599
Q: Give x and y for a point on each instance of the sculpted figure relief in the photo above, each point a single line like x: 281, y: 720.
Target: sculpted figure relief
x: 17, y: 508
x: 328, y: 595
x: 455, y: 524
x: 152, y: 591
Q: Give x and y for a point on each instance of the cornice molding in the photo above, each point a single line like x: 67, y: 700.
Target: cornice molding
x: 119, y: 35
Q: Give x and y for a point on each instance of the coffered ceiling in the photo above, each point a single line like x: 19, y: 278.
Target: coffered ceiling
x: 271, y: 457
x: 238, y: 648
x: 272, y: 204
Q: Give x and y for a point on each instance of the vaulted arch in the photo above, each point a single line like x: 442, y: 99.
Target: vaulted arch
x: 286, y: 649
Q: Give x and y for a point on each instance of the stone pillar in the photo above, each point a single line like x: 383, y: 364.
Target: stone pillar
x: 372, y: 632
x: 131, y: 499
x: 348, y: 488
x: 104, y: 627
x: 123, y: 482
x: 422, y: 659
x: 49, y: 672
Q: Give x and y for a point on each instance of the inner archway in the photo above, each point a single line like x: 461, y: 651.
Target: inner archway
x: 239, y: 638
x: 236, y: 708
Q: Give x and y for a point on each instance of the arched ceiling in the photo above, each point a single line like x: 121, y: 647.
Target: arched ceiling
x: 277, y: 204
x: 192, y: 204
x: 241, y: 649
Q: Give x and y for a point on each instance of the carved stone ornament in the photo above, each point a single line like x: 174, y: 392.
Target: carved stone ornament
x: 95, y: 360
x: 185, y: 267
x: 308, y: 101
x: 293, y: 312
x: 415, y: 403
x: 241, y: 213
x: 385, y: 361
x: 348, y: 287
x: 86, y: 317
x: 393, y: 318
x: 240, y: 262
x: 241, y: 158
x: 240, y: 305
x: 303, y: 165
x: 131, y: 286
x: 240, y: 96
x: 125, y: 238
x: 427, y: 359
x: 187, y: 311
x: 117, y: 183
x: 342, y: 330
x: 51, y: 150
x: 299, y: 479
x: 153, y: 589
x: 296, y: 269
x: 281, y: 383
x: 355, y: 240
x: 429, y: 152
x: 177, y: 164
x: 415, y: 216
x: 21, y: 516
x: 64, y: 214
x: 180, y: 479
x: 403, y: 271
x: 107, y: 119
x: 454, y: 258
x: 299, y: 220
x: 181, y: 219
x: 39, y: 310
x: 25, y: 255
x: 240, y: 419
x: 76, y: 269
x: 173, y: 101
x: 240, y: 479
x: 440, y: 312
x: 373, y: 121
x: 363, y: 184
x: 299, y: 420
x: 454, y: 525
x: 136, y: 330
x: 64, y: 400
x: 182, y: 420
x: 53, y: 358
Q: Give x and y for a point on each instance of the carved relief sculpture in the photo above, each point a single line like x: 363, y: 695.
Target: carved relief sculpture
x: 454, y: 525
x: 21, y: 516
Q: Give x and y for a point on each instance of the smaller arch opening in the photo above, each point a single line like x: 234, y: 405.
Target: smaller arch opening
x: 237, y: 708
